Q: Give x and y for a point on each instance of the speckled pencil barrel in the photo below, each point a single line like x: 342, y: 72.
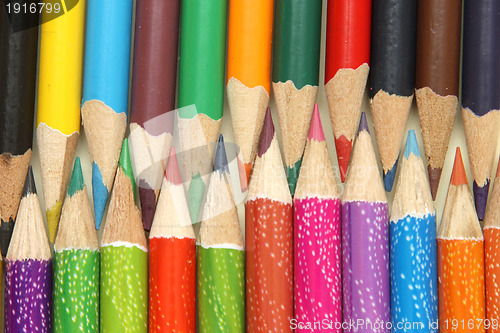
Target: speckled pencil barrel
x: 28, y: 296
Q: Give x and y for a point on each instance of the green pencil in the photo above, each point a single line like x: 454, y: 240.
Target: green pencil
x: 221, y: 260
x: 76, y: 262
x: 296, y: 53
x: 124, y: 259
x: 201, y: 83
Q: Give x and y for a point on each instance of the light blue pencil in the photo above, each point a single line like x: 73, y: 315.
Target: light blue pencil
x: 105, y: 91
x: 414, y: 294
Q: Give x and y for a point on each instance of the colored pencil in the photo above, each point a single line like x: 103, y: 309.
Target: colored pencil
x: 392, y: 77
x: 460, y: 258
x: 317, y: 235
x: 153, y: 96
x: 414, y: 292
x: 105, y: 91
x: 18, y: 60
x: 480, y: 93
x: 492, y: 256
x: 269, y: 240
x: 59, y: 97
x: 297, y: 41
x: 365, y: 239
x: 346, y: 70
x: 221, y: 260
x: 28, y: 268
x: 76, y: 262
x: 124, y: 258
x: 201, y: 83
x: 172, y: 258
x: 437, y: 78
x: 249, y: 71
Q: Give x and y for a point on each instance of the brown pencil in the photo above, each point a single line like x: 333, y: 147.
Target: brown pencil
x: 437, y: 78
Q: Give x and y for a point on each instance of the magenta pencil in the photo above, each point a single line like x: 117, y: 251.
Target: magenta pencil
x: 317, y: 269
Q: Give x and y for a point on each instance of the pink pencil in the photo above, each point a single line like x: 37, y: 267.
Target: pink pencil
x: 317, y: 269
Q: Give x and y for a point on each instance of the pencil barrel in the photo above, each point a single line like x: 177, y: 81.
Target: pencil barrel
x: 347, y: 35
x: 414, y: 293
x: 317, y: 265
x: 221, y: 290
x: 269, y: 266
x: 365, y: 267
x: 76, y: 291
x: 297, y: 36
x: 461, y: 285
x: 124, y: 289
x: 492, y: 276
x: 28, y: 296
x: 172, y: 285
x: 202, y: 56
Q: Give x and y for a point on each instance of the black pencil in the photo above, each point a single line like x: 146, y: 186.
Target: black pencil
x: 392, y: 76
x: 18, y: 59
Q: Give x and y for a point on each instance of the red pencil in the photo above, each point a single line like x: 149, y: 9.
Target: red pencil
x: 269, y: 240
x: 172, y: 259
x: 346, y: 70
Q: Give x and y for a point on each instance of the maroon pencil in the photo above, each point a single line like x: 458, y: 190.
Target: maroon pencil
x: 153, y: 97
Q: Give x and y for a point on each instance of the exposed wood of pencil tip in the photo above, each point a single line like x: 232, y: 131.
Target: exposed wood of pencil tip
x: 248, y: 108
x: 13, y: 170
x: 295, y: 108
x: 459, y: 216
x: 29, y: 239
x: 344, y: 93
x: 76, y: 227
x: 104, y: 130
x: 437, y: 114
x: 123, y: 222
x: 413, y: 195
x: 148, y: 152
x: 390, y: 114
x: 268, y: 177
x: 56, y: 159
x: 363, y: 182
x: 220, y: 224
x: 492, y: 217
x: 172, y: 214
x: 481, y: 134
x: 316, y: 178
x: 196, y: 138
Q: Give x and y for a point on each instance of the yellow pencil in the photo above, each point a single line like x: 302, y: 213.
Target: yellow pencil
x: 59, y: 97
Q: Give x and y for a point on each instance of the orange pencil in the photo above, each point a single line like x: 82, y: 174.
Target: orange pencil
x: 492, y: 257
x: 249, y: 71
x: 172, y: 259
x: 460, y: 259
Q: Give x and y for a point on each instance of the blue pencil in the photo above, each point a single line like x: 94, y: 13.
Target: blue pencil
x: 414, y: 302
x: 105, y: 91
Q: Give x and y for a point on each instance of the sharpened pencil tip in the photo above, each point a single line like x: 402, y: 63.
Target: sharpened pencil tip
x: 434, y: 178
x: 363, y: 124
x: 344, y: 150
x: 220, y: 160
x: 29, y: 184
x: 316, y: 130
x: 100, y: 194
x: 389, y: 176
x: 458, y: 176
x: 267, y: 135
x: 412, y: 145
x: 172, y: 171
x: 77, y: 183
x: 481, y: 198
x: 126, y: 163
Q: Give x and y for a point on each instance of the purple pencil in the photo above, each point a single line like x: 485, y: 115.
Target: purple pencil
x: 365, y: 241
x: 28, y: 276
